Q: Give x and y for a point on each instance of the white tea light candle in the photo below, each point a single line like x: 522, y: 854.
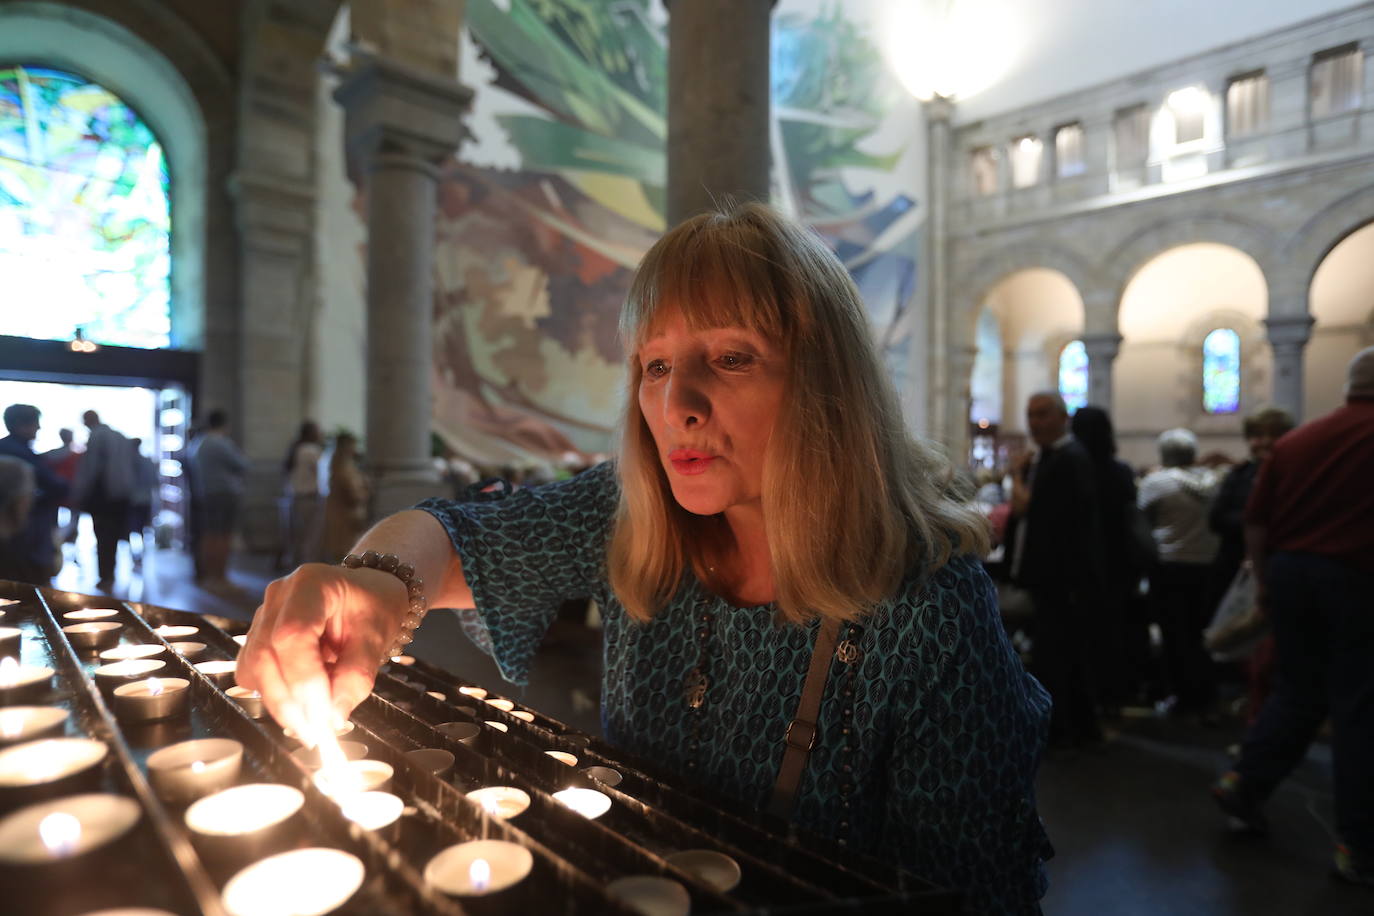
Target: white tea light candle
x: 37, y: 763
x: 29, y: 723
x: 504, y: 802
x: 503, y: 705
x: 90, y: 613
x: 478, y: 868
x: 354, y: 776
x: 250, y: 701
x: 523, y: 715
x: 477, y: 693
x: 650, y: 895
x: 116, y: 674
x: 435, y: 760
x: 302, y: 882
x: 243, y: 810
x: 191, y: 651
x: 66, y: 827
x: 371, y: 810
x: 589, y: 803
x: 563, y: 757
x: 21, y: 682
x: 171, y: 632
x: 499, y: 726
x: 99, y: 634
x: 155, y: 698
x: 130, y: 651
x: 220, y: 672
x: 191, y: 769
x: 604, y: 774
x: 715, y: 869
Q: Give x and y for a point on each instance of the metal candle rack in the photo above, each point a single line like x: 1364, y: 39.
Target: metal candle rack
x: 574, y: 857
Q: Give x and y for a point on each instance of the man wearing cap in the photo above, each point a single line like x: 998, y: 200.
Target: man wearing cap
x: 1310, y: 530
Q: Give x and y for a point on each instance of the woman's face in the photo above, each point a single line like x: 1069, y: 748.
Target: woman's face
x: 710, y: 398
x: 1261, y: 444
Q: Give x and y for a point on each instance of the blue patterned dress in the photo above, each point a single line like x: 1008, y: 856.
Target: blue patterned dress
x: 929, y: 739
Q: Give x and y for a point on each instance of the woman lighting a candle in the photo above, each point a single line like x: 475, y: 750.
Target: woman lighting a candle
x: 767, y: 504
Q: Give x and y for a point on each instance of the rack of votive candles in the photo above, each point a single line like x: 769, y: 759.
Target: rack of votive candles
x: 436, y: 797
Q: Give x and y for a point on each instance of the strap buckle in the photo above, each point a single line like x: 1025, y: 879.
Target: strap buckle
x: 804, y: 741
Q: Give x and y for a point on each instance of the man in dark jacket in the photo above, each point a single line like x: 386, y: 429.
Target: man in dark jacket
x: 31, y: 554
x: 1057, y: 556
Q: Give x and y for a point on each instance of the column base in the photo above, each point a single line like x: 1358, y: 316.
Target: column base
x: 401, y: 487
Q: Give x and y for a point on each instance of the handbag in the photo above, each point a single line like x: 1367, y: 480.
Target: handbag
x: 1238, y: 626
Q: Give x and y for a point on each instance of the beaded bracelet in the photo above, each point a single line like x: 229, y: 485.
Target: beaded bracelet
x: 415, y: 592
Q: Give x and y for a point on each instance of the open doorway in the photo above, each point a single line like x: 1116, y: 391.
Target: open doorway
x: 156, y: 417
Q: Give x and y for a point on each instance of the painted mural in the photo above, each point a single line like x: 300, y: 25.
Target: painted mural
x: 560, y: 189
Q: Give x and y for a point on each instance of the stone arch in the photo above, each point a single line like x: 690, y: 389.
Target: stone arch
x: 1317, y: 238
x: 974, y: 284
x: 177, y: 86
x: 1123, y: 263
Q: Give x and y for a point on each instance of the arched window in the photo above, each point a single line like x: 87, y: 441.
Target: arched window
x: 1073, y: 374
x: 84, y: 214
x: 1221, y: 371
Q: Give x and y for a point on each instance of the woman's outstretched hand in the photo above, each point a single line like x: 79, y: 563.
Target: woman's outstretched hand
x: 316, y: 641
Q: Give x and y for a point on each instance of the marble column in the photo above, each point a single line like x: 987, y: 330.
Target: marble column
x: 1101, y: 350
x: 1288, y: 336
x: 718, y: 94
x: 400, y: 123
x: 949, y: 420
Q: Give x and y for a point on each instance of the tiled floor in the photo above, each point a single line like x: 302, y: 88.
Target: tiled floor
x: 1135, y: 832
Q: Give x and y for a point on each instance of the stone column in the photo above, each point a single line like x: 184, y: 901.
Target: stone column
x: 718, y: 120
x: 949, y: 417
x: 400, y: 124
x: 1288, y: 336
x: 1102, y: 350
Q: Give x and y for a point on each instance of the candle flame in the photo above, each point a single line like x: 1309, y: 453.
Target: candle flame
x: 154, y: 686
x: 9, y: 671
x: 60, y: 832
x: 198, y: 766
x: 479, y: 873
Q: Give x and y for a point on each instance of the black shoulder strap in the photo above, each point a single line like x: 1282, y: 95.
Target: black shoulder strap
x: 801, y: 732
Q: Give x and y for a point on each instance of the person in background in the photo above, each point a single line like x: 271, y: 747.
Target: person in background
x: 345, y: 508
x: 1175, y: 500
x: 1115, y: 483
x: 141, y: 498
x: 63, y: 461
x: 302, y: 469
x: 1056, y: 555
x: 104, y: 482
x: 31, y: 554
x: 1308, y: 533
x: 218, y: 481
x: 17, y: 485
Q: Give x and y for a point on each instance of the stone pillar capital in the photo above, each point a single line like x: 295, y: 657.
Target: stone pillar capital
x: 1289, y: 331
x: 394, y: 109
x: 939, y: 109
x: 1101, y: 345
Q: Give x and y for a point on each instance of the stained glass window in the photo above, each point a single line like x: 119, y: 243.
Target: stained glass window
x: 1221, y: 371
x: 1073, y: 374
x: 84, y: 215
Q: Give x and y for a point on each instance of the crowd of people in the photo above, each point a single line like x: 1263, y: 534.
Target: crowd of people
x: 1261, y: 570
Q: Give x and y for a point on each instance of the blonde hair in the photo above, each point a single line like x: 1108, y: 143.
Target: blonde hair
x: 847, y: 519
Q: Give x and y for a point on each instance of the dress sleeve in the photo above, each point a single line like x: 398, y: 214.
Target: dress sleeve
x: 961, y: 808
x: 526, y: 552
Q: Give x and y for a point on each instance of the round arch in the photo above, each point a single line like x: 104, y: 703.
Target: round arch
x: 1122, y: 265
x: 1318, y: 237
x: 1339, y: 301
x: 107, y: 53
x: 978, y: 281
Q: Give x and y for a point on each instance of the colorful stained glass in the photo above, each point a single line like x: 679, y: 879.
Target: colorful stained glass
x: 84, y: 214
x: 1221, y: 371
x: 1073, y: 374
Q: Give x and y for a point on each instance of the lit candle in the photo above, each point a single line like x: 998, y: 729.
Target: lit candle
x: 66, y: 827
x: 170, y: 632
x: 463, y: 732
x: 90, y: 613
x: 499, y: 726
x: 22, y: 682
x: 651, y: 895
x: 563, y: 757
x: 220, y: 672
x: 522, y: 714
x: 186, y: 771
x: 155, y: 698
x: 241, y: 639
x: 589, y: 803
x: 436, y: 695
x: 353, y: 776
x: 116, y: 674
x: 191, y: 651
x: 302, y: 882
x: 504, y: 802
x: 100, y: 634
x: 130, y: 650
x: 250, y: 701
x: 456, y: 871
x: 311, y: 758
x: 604, y: 774
x: 29, y: 723
x: 8, y: 602
x: 42, y: 763
x: 503, y: 705
x: 339, y: 732
x: 714, y: 869
x: 371, y: 810
x: 406, y: 660
x: 435, y: 760
x: 243, y: 811
x: 477, y: 693
x: 9, y: 641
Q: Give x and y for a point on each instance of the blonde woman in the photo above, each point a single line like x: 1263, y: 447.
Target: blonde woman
x: 766, y: 497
